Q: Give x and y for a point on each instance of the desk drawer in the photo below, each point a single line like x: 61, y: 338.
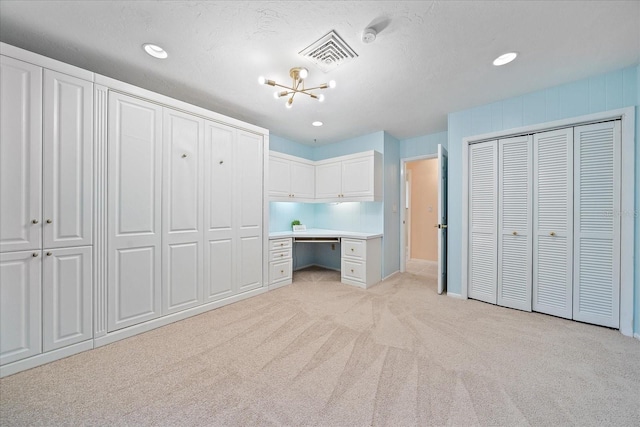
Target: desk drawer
x: 354, y: 270
x: 279, y: 271
x: 278, y: 255
x: 277, y: 244
x: 353, y: 248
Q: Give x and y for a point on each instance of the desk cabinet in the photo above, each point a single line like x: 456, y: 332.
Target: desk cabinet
x: 280, y: 262
x: 354, y: 266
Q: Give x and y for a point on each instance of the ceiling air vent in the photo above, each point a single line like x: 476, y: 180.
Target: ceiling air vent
x: 329, y: 52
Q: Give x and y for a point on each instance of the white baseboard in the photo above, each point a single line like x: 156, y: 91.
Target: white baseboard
x: 41, y: 359
x: 165, y: 320
x: 456, y: 296
x: 636, y: 336
x: 279, y: 284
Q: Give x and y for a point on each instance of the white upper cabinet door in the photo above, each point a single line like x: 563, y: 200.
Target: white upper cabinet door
x: 553, y: 222
x: 66, y: 297
x: 20, y: 155
x: 483, y: 221
x: 358, y: 177
x: 20, y: 309
x: 68, y: 160
x: 329, y: 180
x: 514, y: 222
x: 182, y: 212
x: 219, y: 205
x: 249, y: 209
x: 303, y: 180
x: 596, y: 279
x: 279, y: 177
x: 134, y: 211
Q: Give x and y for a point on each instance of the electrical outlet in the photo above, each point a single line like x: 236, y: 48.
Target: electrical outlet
x: 333, y: 246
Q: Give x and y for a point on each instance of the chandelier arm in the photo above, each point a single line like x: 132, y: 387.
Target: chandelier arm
x: 322, y: 86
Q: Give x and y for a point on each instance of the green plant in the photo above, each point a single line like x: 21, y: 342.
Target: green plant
x: 295, y: 222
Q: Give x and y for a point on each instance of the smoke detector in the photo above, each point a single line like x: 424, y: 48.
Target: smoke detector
x: 369, y: 35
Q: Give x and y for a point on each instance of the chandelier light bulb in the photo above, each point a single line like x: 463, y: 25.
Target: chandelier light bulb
x: 321, y: 97
x: 332, y: 84
x: 303, y: 73
x: 276, y: 95
x: 262, y: 80
x: 298, y: 74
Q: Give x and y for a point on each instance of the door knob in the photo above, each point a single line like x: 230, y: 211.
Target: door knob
x: 553, y: 233
x: 34, y: 221
x: 49, y: 254
x: 49, y: 221
x: 184, y: 155
x: 515, y: 233
x: 35, y: 254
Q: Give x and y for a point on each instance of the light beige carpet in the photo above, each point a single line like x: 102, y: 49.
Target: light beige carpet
x: 327, y: 354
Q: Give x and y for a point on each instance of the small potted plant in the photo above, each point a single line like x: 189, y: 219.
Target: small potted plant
x: 297, y: 226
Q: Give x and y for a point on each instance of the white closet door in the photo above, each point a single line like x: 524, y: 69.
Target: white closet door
x: 20, y: 306
x: 596, y: 286
x: 514, y: 237
x: 66, y: 297
x: 182, y: 211
x: 219, y: 219
x: 68, y: 161
x: 134, y: 211
x: 20, y: 155
x: 483, y: 221
x: 249, y: 210
x: 553, y: 222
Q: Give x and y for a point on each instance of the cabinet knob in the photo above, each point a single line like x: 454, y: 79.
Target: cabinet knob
x: 281, y: 271
x: 221, y: 161
x: 49, y: 254
x: 35, y: 254
x: 553, y: 233
x: 515, y: 233
x: 281, y: 244
x: 352, y: 270
x: 49, y: 221
x: 35, y: 221
x: 351, y: 249
x: 281, y: 255
x: 184, y: 155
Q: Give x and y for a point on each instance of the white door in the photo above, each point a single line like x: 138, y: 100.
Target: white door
x: 20, y: 310
x: 68, y: 161
x: 134, y: 211
x: 514, y: 222
x: 219, y: 219
x: 357, y: 177
x: 279, y: 177
x: 303, y: 180
x: 66, y: 297
x: 553, y: 222
x: 596, y: 278
x: 442, y: 218
x: 20, y: 155
x: 483, y: 221
x: 329, y: 180
x: 249, y: 210
x: 182, y: 211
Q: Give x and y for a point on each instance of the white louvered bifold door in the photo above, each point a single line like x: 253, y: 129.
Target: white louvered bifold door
x: 514, y: 222
x: 483, y: 221
x: 596, y: 286
x: 553, y: 222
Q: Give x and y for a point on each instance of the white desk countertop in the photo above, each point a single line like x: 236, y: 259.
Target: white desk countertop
x: 321, y: 232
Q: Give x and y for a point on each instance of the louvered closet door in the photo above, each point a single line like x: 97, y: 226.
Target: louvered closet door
x: 514, y: 236
x: 596, y: 286
x: 483, y: 223
x: 553, y: 222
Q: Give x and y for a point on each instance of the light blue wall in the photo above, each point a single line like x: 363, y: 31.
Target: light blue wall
x: 609, y: 91
x: 391, y: 239
x: 372, y: 141
x: 282, y: 213
x: 422, y: 145
x: 282, y: 145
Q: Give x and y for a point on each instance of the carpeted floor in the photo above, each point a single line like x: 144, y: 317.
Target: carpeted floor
x: 322, y: 353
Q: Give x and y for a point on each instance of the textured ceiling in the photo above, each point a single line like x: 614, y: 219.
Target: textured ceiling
x: 430, y: 57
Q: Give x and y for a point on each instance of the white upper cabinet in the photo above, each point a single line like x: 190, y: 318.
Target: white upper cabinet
x: 290, y: 178
x: 20, y: 155
x: 329, y: 180
x: 68, y: 160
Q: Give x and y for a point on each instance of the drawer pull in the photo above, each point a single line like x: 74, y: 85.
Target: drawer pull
x: 351, y: 249
x: 352, y: 270
x: 281, y: 255
x: 281, y: 271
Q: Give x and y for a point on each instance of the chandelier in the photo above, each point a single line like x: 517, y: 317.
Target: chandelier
x: 298, y: 74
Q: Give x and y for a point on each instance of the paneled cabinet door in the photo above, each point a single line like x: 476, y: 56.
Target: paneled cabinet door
x: 303, y: 180
x: 20, y: 155
x: 514, y: 229
x: 553, y: 222
x: 20, y: 310
x: 134, y: 211
x: 279, y: 177
x: 329, y: 180
x: 68, y: 160
x: 66, y: 297
x: 358, y: 177
x: 483, y: 221
x: 182, y: 254
x: 219, y: 219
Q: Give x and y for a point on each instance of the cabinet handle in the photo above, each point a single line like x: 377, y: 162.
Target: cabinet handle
x: 35, y: 254
x: 515, y: 233
x: 49, y: 254
x: 49, y: 221
x: 553, y: 233
x: 35, y: 221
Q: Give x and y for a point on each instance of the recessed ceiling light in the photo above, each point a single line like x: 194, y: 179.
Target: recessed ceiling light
x: 504, y: 58
x: 155, y: 51
x: 317, y: 123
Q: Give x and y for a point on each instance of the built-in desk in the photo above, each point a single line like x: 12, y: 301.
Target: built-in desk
x: 360, y: 256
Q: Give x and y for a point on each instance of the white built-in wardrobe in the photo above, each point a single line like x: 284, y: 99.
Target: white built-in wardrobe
x: 544, y: 223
